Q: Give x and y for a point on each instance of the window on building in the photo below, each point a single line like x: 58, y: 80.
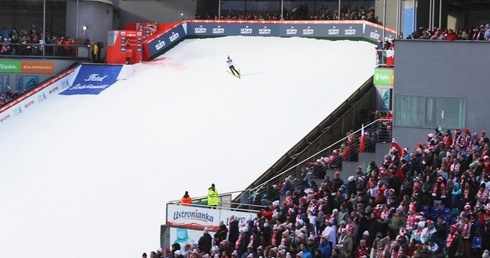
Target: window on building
x: 430, y: 112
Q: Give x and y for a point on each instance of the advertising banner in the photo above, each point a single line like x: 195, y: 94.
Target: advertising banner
x: 373, y: 33
x: 313, y: 29
x: 26, y: 82
x: 192, y: 217
x: 344, y: 30
x: 303, y: 30
x: 224, y: 29
x: 256, y: 30
x: 210, y: 29
x: 165, y: 40
x: 26, y: 67
x: 182, y: 236
x: 146, y: 28
x: 199, y: 218
x: 384, y: 76
x: 10, y: 67
x: 93, y: 79
x: 37, y: 67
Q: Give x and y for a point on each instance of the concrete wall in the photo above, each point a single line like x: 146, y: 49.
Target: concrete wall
x: 134, y: 11
x: 391, y: 13
x: 447, y: 69
x: 96, y: 16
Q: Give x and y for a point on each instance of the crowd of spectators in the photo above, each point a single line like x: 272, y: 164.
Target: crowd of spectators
x: 300, y: 12
x: 24, y: 42
x: 479, y: 33
x: 30, y: 42
x: 429, y: 202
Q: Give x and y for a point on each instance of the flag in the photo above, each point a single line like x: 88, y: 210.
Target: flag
x: 362, y: 144
x: 395, y: 145
x: 390, y: 58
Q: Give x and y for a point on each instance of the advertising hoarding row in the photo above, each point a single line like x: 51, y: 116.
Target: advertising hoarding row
x: 40, y: 94
x: 276, y: 30
x: 61, y: 83
x: 310, y: 29
x: 314, y: 29
x: 19, y: 66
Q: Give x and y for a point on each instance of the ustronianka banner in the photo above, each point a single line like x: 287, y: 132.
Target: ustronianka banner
x: 93, y: 79
x: 199, y: 218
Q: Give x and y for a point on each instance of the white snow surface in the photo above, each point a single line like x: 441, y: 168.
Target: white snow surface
x: 87, y: 176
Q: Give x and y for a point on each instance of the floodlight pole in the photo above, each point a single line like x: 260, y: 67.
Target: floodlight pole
x: 338, y: 11
x: 440, y: 13
x: 219, y: 9
x: 282, y: 9
x: 384, y: 22
x: 44, y: 28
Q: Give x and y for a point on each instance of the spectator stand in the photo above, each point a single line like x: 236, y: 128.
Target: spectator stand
x: 413, y: 223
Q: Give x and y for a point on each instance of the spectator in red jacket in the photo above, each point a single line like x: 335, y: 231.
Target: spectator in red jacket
x: 450, y: 35
x: 266, y: 213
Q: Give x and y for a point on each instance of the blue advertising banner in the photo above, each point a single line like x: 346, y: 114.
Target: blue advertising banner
x: 29, y: 82
x: 373, y: 33
x: 311, y: 29
x: 303, y: 30
x: 166, y: 40
x: 93, y: 79
x: 289, y: 30
x: 344, y: 30
x: 258, y: 30
x: 223, y: 29
x: 268, y: 30
x: 210, y: 29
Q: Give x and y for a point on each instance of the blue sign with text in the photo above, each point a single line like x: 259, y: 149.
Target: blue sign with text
x: 166, y: 40
x: 93, y: 79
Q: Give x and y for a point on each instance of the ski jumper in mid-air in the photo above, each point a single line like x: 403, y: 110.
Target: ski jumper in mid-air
x: 230, y: 63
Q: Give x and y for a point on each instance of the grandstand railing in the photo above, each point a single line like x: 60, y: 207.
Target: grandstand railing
x: 385, y: 58
x: 225, y: 203
x: 45, y: 50
x: 378, y: 131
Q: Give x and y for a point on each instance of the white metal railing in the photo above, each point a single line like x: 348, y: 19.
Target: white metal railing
x: 269, y: 189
